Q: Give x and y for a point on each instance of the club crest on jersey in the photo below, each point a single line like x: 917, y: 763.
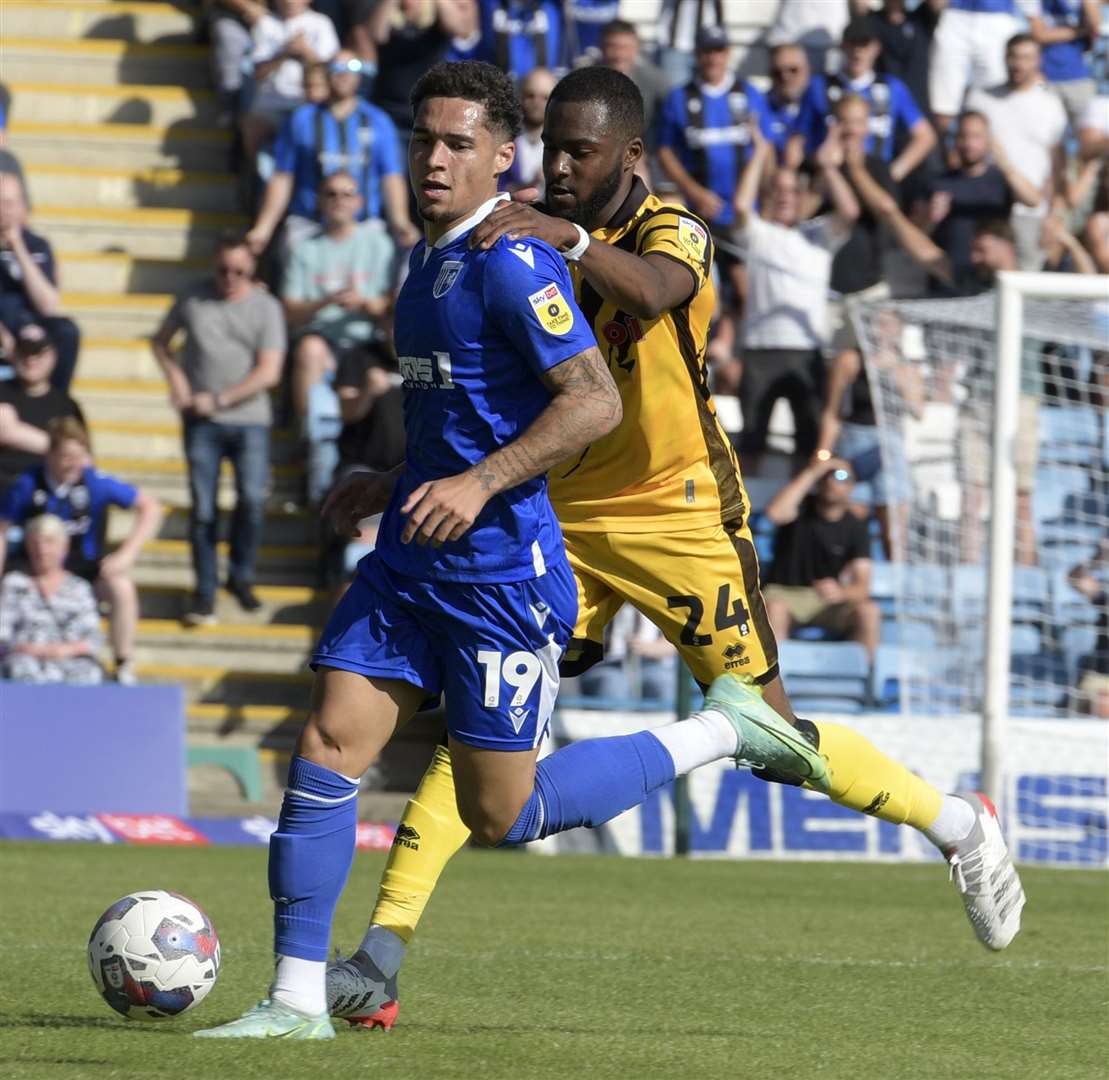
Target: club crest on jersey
x: 448, y: 275
x: 692, y: 236
x: 551, y: 310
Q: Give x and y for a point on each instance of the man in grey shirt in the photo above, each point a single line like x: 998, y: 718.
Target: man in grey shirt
x: 230, y: 357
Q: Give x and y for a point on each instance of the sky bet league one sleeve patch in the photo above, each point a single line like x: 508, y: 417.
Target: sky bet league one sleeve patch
x: 552, y: 311
x: 692, y: 236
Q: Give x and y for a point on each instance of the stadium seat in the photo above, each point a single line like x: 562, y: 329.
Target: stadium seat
x: 1025, y: 641
x: 240, y: 761
x: 1038, y: 683
x: 911, y: 633
x: 885, y: 585
x: 805, y: 705
x: 1054, y: 483
x: 1069, y: 434
x: 1068, y: 606
x: 1078, y: 643
x: 830, y: 670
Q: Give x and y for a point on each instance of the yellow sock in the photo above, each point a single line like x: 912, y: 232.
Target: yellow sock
x: 428, y: 836
x: 864, y: 779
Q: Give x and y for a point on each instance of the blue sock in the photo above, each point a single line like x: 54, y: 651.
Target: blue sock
x: 310, y: 857
x: 590, y: 782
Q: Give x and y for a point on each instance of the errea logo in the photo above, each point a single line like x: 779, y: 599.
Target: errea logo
x: 426, y: 372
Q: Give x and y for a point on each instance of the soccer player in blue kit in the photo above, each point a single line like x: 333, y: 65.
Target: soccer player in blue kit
x: 469, y: 592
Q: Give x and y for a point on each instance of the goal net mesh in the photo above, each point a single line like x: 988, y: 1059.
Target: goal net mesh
x: 931, y: 366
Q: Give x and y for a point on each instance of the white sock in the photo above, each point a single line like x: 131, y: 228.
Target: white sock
x: 704, y: 737
x: 384, y: 948
x: 300, y: 984
x: 955, y: 820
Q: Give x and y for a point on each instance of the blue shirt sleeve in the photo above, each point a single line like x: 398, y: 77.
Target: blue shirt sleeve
x: 17, y: 502
x: 532, y: 302
x: 758, y: 105
x: 902, y: 104
x: 811, y: 119
x: 284, y: 145
x: 387, y: 150
x: 113, y: 492
x: 671, y: 121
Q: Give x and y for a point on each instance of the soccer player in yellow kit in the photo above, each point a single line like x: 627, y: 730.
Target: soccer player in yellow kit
x: 654, y: 514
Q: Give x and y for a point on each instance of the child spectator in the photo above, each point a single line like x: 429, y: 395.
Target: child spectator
x: 67, y: 485
x: 49, y: 623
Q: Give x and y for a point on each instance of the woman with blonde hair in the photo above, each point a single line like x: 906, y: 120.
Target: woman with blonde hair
x: 49, y: 623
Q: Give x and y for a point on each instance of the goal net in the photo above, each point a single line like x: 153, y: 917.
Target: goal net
x: 993, y: 432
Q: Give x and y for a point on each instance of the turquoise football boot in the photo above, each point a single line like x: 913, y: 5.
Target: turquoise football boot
x: 272, y: 1020
x: 766, y: 740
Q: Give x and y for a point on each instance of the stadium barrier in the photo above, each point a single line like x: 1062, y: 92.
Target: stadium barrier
x: 87, y: 749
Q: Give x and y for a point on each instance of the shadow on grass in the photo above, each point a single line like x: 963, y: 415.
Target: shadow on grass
x: 48, y: 1021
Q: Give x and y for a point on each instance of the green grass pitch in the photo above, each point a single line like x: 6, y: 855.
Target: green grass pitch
x: 532, y: 968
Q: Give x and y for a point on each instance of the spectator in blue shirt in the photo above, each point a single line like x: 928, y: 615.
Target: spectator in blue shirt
x: 585, y: 22
x: 518, y: 35
x: 789, y: 79
x: 350, y: 134
x: 704, y: 138
x: 67, y: 485
x: 1065, y: 30
x: 899, y: 132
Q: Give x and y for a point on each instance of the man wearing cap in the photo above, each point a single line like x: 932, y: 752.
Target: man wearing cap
x: 28, y: 403
x: 820, y: 575
x: 29, y: 281
x: 347, y: 133
x: 899, y: 132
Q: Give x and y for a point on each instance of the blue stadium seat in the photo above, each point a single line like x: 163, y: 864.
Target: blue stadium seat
x: 829, y: 670
x: 926, y: 590
x: 1068, y: 606
x: 911, y: 633
x: 892, y: 663
x: 1078, y: 643
x: 1054, y: 483
x: 805, y: 706
x: 885, y: 585
x: 1038, y: 683
x: 1069, y: 434
x: 1025, y: 641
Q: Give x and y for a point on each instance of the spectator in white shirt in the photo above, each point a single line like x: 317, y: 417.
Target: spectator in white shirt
x: 282, y: 44
x: 789, y: 265
x: 968, y: 52
x: 1029, y: 122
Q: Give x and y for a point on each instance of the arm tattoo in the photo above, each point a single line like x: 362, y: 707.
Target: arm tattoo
x: 585, y: 406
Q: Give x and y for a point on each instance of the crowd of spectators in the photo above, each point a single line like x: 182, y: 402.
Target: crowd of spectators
x: 862, y: 146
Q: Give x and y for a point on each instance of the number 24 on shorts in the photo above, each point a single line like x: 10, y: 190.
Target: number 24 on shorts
x: 728, y: 613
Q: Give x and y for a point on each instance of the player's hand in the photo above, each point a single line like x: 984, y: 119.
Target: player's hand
x: 829, y: 590
x: 360, y: 495
x: 513, y: 220
x: 443, y: 510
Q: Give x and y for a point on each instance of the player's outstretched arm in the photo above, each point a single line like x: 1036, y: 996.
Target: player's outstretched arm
x: 585, y: 406
x: 644, y: 286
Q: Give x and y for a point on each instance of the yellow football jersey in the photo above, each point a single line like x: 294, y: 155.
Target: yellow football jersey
x: 669, y: 463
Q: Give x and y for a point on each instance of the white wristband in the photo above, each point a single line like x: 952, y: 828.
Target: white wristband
x: 578, y: 250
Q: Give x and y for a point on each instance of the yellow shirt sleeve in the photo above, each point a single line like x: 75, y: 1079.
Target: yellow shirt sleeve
x: 679, y: 236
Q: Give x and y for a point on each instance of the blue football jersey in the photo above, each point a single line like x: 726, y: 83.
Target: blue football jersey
x: 474, y: 331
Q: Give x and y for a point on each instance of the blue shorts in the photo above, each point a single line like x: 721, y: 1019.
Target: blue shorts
x: 493, y: 650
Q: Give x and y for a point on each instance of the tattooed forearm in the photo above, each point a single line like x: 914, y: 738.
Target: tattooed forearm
x: 585, y: 407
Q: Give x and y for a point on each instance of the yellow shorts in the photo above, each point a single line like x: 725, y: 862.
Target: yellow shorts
x: 699, y: 587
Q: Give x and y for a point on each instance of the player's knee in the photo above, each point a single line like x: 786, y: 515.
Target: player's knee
x: 488, y: 818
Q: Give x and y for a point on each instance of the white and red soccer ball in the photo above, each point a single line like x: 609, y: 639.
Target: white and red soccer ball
x: 153, y: 955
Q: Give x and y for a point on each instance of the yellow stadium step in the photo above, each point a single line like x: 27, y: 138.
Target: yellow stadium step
x: 78, y: 103
x: 281, y: 604
x: 116, y: 314
x: 134, y: 146
x: 281, y: 526
x: 123, y: 368
x: 270, y: 650
x: 159, y: 439
x: 261, y: 720
x: 68, y: 19
x: 101, y: 271
x: 146, y: 233
x: 104, y: 61
x: 226, y: 682
x: 127, y: 189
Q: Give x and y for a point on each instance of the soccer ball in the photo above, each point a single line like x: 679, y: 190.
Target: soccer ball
x: 153, y: 955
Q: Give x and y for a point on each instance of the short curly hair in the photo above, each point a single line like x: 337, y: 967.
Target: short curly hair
x: 473, y: 80
x: 614, y: 91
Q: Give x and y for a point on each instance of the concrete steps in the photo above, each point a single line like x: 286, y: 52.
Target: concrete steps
x: 282, y: 527
x: 117, y: 314
x: 227, y: 683
x: 281, y: 605
x: 265, y: 649
x: 100, y: 19
x: 123, y: 366
x: 104, y: 61
x: 134, y: 146
x: 99, y: 271
x: 126, y: 189
x: 76, y: 103
x: 166, y: 563
x: 156, y: 441
x: 146, y: 233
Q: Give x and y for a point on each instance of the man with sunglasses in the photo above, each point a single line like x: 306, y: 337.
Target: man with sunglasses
x: 820, y: 575
x: 347, y: 133
x: 789, y: 79
x: 28, y: 403
x: 219, y: 381
x: 338, y: 287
